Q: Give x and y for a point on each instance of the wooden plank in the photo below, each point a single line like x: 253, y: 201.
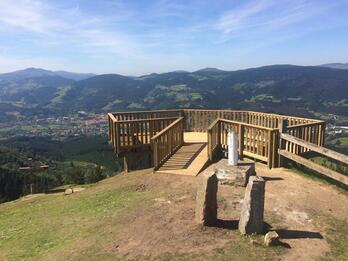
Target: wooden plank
x: 167, y: 128
x: 246, y: 124
x: 255, y: 156
x: 314, y: 166
x: 324, y: 151
x: 148, y: 120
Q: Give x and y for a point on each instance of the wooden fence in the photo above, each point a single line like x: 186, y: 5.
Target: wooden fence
x: 199, y: 120
x: 165, y: 143
x: 258, y: 132
x: 291, y: 148
x: 127, y: 134
x: 141, y: 115
x: 254, y: 141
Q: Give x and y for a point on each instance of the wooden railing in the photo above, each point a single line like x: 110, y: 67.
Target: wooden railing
x: 140, y: 115
x: 258, y: 132
x: 254, y: 141
x: 311, y: 132
x: 291, y: 146
x: 128, y: 134
x: 165, y: 143
x: 199, y: 120
x: 270, y: 120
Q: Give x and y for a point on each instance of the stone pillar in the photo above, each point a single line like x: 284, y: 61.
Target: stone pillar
x: 251, y: 218
x: 206, y: 200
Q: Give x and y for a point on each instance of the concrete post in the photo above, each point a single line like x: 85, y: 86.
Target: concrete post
x: 232, y: 140
x: 251, y: 217
x: 206, y: 200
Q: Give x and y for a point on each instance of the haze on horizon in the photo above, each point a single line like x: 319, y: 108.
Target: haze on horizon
x: 140, y: 37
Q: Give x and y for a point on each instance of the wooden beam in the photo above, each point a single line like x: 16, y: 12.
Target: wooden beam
x: 316, y: 167
x: 167, y: 128
x: 148, y: 120
x: 324, y: 151
x: 255, y: 156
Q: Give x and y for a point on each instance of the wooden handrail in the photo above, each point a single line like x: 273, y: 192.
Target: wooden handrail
x: 167, y: 128
x: 314, y: 166
x: 324, y: 151
x: 283, y: 116
x: 152, y: 111
x: 147, y: 120
x: 249, y: 125
x: 112, y: 117
x: 213, y: 124
x: 304, y: 125
x: 165, y: 143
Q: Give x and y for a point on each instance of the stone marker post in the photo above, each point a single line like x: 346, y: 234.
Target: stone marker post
x: 232, y: 140
x: 206, y: 200
x: 251, y: 218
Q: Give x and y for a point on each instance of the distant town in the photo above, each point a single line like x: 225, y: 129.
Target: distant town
x: 81, y: 123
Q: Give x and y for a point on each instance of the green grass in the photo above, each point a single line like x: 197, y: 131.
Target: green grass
x: 83, y: 225
x: 30, y: 230
x: 299, y: 169
x: 60, y: 94
x: 336, y: 234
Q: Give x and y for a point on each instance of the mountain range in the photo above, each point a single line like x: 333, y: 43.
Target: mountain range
x: 336, y: 65
x: 312, y: 91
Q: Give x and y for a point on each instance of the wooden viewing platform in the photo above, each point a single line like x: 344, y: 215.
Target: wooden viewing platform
x: 184, y: 141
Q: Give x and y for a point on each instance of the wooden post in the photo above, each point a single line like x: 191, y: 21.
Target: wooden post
x: 283, y: 125
x: 209, y: 145
x: 241, y: 141
x: 270, y: 159
x: 125, y: 164
x: 219, y: 134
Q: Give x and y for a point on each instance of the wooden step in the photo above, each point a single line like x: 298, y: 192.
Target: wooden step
x: 189, y: 160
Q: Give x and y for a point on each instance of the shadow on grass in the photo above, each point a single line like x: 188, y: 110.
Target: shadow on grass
x: 226, y: 224
x: 296, y: 234
x: 271, y: 178
x: 52, y: 191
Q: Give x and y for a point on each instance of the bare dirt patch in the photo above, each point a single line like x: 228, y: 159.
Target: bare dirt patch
x: 146, y: 216
x: 299, y: 203
x: 165, y: 225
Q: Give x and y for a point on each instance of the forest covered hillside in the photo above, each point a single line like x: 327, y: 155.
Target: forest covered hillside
x: 296, y: 90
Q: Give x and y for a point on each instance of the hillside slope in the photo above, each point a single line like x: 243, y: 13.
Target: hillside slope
x: 310, y: 91
x: 286, y: 89
x: 141, y: 215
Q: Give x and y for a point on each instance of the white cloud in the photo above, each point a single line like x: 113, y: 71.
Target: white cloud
x: 59, y: 25
x: 26, y: 15
x: 269, y: 15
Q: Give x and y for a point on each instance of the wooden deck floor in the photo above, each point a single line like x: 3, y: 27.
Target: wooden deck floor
x: 191, y: 158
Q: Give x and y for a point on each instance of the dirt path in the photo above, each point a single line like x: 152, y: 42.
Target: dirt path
x: 162, y: 225
x: 299, y: 202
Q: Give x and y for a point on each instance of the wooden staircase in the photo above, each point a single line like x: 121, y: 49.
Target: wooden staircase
x: 189, y: 160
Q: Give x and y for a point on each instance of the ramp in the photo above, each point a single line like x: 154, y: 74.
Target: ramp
x: 189, y: 160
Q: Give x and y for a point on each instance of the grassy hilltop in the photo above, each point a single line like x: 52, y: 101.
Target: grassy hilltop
x: 140, y: 215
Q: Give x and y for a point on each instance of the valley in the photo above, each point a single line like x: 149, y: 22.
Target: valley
x: 59, y: 120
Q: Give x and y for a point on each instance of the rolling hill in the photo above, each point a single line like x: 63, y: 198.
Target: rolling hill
x: 298, y: 90
x: 283, y: 88
x: 336, y: 65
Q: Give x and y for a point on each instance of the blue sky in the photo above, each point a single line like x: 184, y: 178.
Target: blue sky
x: 139, y: 37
